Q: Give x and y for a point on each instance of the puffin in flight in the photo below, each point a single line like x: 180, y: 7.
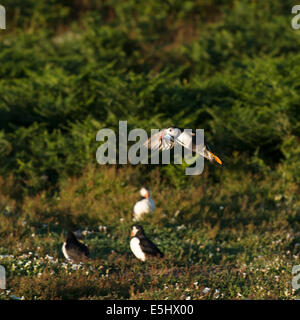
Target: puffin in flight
x: 141, y: 246
x: 166, y: 138
x: 74, y: 250
x: 144, y: 206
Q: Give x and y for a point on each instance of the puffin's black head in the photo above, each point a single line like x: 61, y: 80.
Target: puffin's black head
x: 71, y: 236
x: 137, y: 231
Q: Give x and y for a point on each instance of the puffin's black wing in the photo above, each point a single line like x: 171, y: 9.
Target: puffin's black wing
x: 150, y: 248
x: 78, y: 251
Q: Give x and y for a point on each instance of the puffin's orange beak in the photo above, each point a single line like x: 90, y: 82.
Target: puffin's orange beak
x: 132, y: 233
x: 217, y: 159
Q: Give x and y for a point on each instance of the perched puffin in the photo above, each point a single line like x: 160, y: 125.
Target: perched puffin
x: 144, y: 206
x: 166, y: 138
x: 141, y: 246
x: 74, y: 250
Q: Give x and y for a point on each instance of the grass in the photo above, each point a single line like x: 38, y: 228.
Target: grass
x: 228, y: 240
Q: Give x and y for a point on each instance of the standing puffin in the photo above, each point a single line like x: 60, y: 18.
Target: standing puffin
x: 144, y: 206
x: 141, y: 246
x: 74, y: 250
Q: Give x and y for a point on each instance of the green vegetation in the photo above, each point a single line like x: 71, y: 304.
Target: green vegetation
x: 70, y: 68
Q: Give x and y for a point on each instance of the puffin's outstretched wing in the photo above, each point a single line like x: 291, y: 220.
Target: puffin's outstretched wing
x: 156, y: 142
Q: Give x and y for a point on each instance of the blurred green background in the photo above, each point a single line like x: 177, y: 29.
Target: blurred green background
x: 70, y: 68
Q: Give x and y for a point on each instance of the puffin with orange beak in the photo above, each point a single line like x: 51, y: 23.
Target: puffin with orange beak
x: 166, y: 138
x: 144, y: 206
x: 141, y: 246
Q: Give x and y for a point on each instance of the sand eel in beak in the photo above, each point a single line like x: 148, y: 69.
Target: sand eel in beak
x: 141, y: 246
x: 74, y: 250
x: 166, y: 138
x: 144, y: 206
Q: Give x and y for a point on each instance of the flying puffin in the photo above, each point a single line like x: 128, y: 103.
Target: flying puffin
x: 141, y: 246
x: 144, y: 206
x: 166, y: 138
x: 74, y: 250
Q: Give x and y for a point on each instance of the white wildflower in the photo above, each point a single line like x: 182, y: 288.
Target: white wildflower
x: 206, y: 290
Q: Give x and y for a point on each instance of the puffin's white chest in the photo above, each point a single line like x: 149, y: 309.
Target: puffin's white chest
x: 136, y: 248
x: 142, y: 207
x: 65, y: 251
